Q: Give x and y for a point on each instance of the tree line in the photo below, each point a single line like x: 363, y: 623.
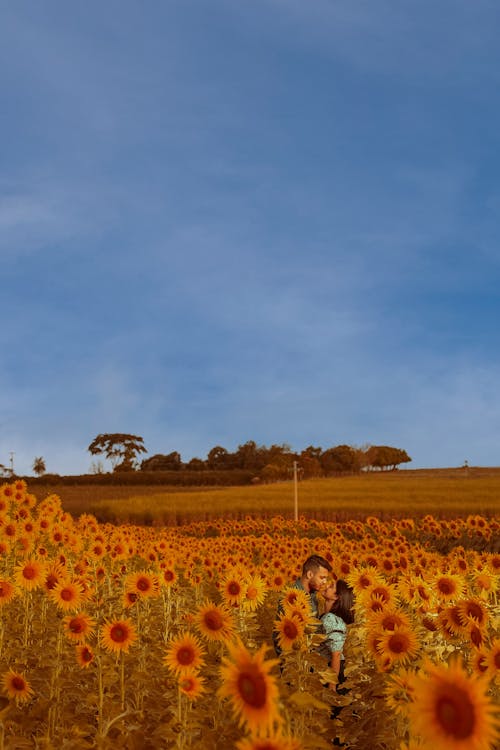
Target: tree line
x: 268, y: 463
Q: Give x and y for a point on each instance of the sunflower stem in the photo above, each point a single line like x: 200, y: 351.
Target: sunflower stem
x: 166, y: 612
x: 122, y: 680
x: 27, y: 618
x: 101, y: 694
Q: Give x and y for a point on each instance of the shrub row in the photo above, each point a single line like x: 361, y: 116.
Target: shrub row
x: 173, y: 478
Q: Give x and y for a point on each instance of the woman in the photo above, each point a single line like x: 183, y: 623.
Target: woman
x: 339, y: 603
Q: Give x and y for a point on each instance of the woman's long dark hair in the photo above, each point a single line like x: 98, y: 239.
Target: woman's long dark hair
x: 343, y: 605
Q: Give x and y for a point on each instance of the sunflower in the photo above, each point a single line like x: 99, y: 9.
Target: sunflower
x: 485, y: 582
x: 191, y: 684
x: 362, y: 579
x: 429, y: 623
x: 143, y: 584
x: 130, y: 598
x: 399, y: 690
x: 479, y: 662
x: 168, y: 576
x: 494, y: 659
x: 7, y: 591
x: 184, y: 654
x: 67, y: 594
x: 84, y: 655
x: 389, y: 619
x: 78, y: 627
x: 118, y: 635
x: 448, y: 586
x: 250, y: 687
x: 453, y: 711
x: 215, y: 622
x: 255, y: 593
x: 399, y: 645
x: 96, y: 551
x: 290, y: 631
x: 10, y: 531
x: 276, y: 581
x: 4, y: 547
x: 54, y: 573
x: 451, y: 622
x: 293, y: 597
x: 375, y: 606
x: 472, y: 611
x: 29, y: 574
x: 232, y: 589
x: 16, y: 686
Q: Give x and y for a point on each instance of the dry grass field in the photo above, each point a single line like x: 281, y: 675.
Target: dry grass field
x: 445, y: 493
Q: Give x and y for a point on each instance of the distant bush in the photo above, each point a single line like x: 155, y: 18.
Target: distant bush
x: 233, y: 477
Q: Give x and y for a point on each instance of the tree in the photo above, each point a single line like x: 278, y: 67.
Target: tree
x: 160, y: 462
x: 120, y: 448
x: 310, y: 461
x: 196, y: 464
x: 385, y: 457
x: 340, y: 460
x: 311, y: 452
x: 39, y: 466
x: 218, y: 458
x: 247, y: 456
x: 97, y: 467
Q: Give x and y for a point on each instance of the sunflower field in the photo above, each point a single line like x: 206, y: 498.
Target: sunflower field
x: 159, y: 637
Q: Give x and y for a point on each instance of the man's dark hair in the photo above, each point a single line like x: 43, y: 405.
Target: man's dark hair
x: 314, y: 562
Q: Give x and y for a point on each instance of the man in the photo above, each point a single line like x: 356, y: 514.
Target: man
x: 314, y: 578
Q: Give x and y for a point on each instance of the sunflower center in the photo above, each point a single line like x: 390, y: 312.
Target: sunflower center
x: 87, y: 655
x: 29, y: 573
x: 234, y: 588
x: 67, y: 595
x: 475, y: 611
x: 252, y: 688
x: 213, y: 620
x: 143, y: 584
x: 18, y: 684
x: 381, y: 592
x: 185, y: 655
x: 76, y: 626
x: 446, y: 587
x: 398, y: 643
x: 290, y: 629
x: 118, y: 634
x: 390, y: 622
x: 455, y: 714
x: 482, y: 664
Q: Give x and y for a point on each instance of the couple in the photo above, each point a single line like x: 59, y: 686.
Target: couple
x: 338, y: 614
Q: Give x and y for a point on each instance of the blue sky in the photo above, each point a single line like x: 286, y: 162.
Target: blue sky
x: 272, y: 221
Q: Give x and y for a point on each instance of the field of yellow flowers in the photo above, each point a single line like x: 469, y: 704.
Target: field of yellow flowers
x: 147, y: 638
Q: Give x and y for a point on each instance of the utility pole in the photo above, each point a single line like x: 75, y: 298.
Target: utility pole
x: 12, y: 463
x: 295, y: 492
